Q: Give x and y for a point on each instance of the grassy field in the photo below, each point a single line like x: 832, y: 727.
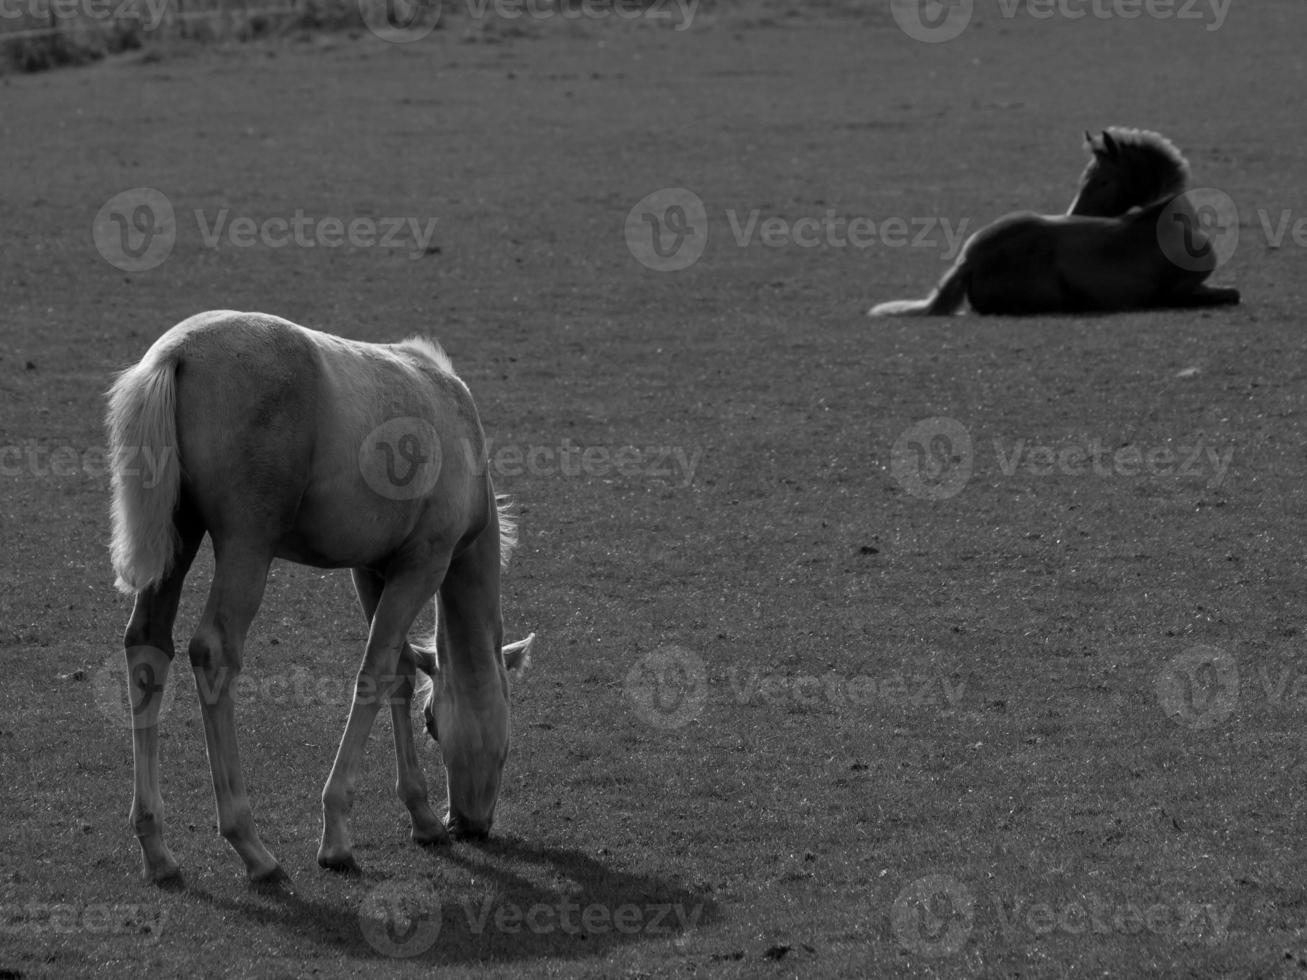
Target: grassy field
x: 965, y: 647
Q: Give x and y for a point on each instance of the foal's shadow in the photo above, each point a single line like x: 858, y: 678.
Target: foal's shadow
x: 542, y: 901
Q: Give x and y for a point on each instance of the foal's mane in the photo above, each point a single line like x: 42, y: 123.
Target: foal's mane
x: 508, y: 522
x: 1154, y: 163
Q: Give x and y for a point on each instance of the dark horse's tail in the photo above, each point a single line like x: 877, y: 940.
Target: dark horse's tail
x: 948, y: 296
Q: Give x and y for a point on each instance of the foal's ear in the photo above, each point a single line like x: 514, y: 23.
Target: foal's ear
x: 426, y: 660
x: 517, y: 656
x: 1109, y: 144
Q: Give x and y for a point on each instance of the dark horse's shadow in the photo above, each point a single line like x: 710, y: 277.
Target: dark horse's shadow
x: 592, y: 909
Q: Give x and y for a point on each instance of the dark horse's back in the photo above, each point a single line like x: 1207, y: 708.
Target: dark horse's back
x: 1026, y: 264
x: 1011, y: 266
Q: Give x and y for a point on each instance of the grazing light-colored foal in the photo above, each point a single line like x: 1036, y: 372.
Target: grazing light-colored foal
x: 283, y: 442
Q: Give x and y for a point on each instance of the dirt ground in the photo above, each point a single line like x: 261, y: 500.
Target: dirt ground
x: 961, y: 647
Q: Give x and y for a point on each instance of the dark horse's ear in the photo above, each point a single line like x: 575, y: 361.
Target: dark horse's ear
x: 1109, y: 144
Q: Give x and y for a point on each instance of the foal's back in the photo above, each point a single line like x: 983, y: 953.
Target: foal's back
x: 284, y: 432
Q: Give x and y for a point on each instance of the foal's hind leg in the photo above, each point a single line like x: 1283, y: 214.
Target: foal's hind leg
x: 239, y: 576
x: 410, y: 781
x: 402, y: 597
x: 149, y: 653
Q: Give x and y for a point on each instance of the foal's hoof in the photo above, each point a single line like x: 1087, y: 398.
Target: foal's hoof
x: 271, y: 877
x: 463, y: 830
x: 339, y: 863
x: 158, y: 864
x: 434, y: 835
x: 169, y: 879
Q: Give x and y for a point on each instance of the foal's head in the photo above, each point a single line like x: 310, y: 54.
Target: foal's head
x: 471, y: 726
x: 1129, y: 168
x: 467, y: 712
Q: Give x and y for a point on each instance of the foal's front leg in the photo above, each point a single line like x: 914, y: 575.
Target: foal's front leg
x: 400, y: 601
x: 410, y: 780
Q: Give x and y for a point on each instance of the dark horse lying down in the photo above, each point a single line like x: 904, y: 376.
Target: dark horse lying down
x: 1131, y: 240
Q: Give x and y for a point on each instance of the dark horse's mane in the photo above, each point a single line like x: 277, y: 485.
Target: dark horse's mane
x: 1156, y: 167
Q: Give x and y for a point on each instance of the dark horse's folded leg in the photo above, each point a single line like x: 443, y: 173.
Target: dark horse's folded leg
x: 1204, y: 295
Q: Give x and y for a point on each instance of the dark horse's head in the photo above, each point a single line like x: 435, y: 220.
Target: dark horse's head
x: 1129, y: 168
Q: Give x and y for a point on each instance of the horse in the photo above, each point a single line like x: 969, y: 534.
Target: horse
x: 282, y: 442
x: 1130, y: 240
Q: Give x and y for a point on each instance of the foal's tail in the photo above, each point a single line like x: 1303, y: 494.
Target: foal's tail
x: 945, y: 300
x: 142, y: 423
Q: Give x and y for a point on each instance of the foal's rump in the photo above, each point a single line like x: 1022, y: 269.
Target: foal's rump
x: 334, y: 450
x: 1008, y: 266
